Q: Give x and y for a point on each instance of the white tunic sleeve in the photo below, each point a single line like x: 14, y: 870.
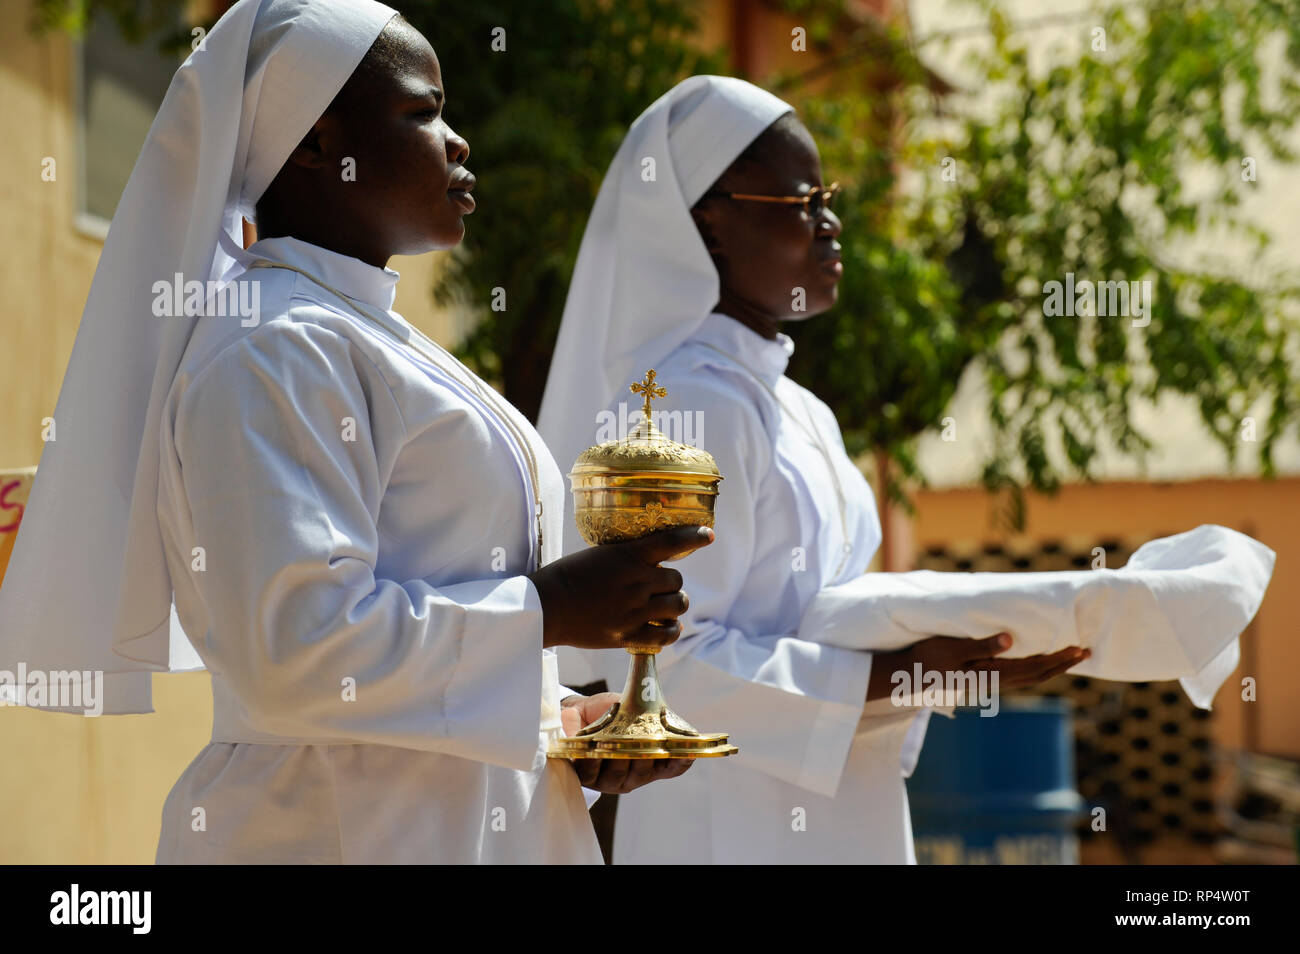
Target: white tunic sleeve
x: 285, y: 442
x: 791, y: 704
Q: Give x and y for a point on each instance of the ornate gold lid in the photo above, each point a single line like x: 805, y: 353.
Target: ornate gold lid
x: 646, y: 448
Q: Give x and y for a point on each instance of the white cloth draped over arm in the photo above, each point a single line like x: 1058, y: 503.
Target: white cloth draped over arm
x: 1174, y: 611
x: 285, y: 504
x: 791, y: 703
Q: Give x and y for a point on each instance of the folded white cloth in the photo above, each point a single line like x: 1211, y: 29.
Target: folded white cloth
x: 1173, y: 612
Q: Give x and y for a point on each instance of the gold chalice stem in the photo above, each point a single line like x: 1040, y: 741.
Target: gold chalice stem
x: 642, y: 702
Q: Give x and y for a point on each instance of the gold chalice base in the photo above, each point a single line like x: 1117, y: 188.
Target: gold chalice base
x: 637, y: 727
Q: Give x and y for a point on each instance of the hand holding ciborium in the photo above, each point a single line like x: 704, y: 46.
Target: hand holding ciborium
x: 624, y: 490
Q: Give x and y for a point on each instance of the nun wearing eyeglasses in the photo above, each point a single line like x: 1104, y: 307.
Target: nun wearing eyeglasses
x: 712, y: 229
x: 350, y: 530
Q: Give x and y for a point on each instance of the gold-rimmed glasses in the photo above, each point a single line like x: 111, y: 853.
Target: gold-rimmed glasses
x: 813, y: 202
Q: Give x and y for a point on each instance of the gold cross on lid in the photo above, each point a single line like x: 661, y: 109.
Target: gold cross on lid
x: 650, y: 390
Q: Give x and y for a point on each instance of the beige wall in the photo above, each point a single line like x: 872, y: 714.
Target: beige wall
x: 45, y: 263
x: 90, y: 791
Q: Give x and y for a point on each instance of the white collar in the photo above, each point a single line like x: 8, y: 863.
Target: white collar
x: 366, y: 283
x: 767, y: 357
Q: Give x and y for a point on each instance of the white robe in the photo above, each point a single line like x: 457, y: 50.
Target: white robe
x: 380, y: 689
x: 819, y: 775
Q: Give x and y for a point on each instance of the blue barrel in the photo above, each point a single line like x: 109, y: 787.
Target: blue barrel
x: 1000, y: 789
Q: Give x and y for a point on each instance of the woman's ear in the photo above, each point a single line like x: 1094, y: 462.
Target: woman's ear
x: 705, y: 222
x: 311, y: 152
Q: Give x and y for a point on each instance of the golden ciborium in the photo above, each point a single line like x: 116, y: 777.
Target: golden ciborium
x: 622, y: 490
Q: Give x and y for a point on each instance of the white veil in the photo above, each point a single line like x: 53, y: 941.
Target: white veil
x: 87, y: 586
x: 644, y: 281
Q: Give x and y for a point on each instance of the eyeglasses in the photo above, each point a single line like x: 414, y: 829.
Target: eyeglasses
x: 813, y: 202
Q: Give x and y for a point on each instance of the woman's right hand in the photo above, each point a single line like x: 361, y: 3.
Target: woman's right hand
x: 951, y: 654
x: 604, y: 596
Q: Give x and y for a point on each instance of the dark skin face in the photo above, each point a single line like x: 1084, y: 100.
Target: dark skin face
x: 411, y: 187
x: 764, y: 251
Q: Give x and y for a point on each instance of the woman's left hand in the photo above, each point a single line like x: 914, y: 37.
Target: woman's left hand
x: 612, y: 776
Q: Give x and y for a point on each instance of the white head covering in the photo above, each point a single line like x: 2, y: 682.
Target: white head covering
x: 644, y: 281
x: 87, y: 586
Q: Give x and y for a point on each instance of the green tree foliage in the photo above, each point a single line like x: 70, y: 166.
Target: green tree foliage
x: 543, y: 116
x: 1079, y: 167
x: 139, y: 20
x: 543, y: 119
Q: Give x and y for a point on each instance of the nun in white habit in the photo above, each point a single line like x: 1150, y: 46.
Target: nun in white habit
x: 712, y: 227
x: 357, y: 533
x: 678, y: 271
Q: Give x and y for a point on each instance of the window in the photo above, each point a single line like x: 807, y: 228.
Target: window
x: 120, y: 86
